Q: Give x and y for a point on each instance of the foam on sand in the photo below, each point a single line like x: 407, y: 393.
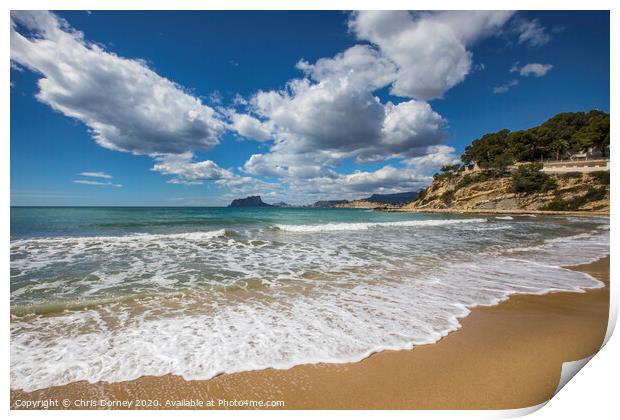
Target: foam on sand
x: 331, y: 227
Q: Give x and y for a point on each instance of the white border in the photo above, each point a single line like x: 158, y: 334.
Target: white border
x: 593, y: 393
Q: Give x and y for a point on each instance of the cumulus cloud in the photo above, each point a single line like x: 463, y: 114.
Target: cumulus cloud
x: 97, y: 183
x: 250, y: 127
x: 186, y: 171
x: 532, y: 69
x: 428, y: 48
x: 415, y: 173
x: 506, y: 86
x: 433, y: 159
x: 318, y: 182
x: 125, y: 104
x: 332, y: 114
x: 360, y: 65
x: 359, y: 183
x: 96, y: 175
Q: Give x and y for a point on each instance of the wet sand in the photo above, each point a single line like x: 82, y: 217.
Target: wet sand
x: 505, y: 356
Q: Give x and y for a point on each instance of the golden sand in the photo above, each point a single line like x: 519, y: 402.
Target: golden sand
x: 504, y: 356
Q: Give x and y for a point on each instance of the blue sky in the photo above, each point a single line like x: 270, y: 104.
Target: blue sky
x: 197, y: 108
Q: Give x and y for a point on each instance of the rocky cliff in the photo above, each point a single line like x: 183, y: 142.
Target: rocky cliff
x: 500, y: 191
x: 252, y: 201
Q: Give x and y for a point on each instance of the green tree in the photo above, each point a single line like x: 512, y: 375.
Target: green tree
x: 530, y: 179
x: 595, y: 134
x: 559, y: 146
x: 486, y: 151
x: 451, y: 168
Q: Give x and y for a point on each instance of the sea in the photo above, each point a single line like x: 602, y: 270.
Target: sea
x: 113, y: 294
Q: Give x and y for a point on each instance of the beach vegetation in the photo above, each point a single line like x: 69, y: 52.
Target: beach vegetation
x: 448, y: 196
x: 448, y: 172
x: 451, y: 168
x: 482, y: 176
x: 529, y: 178
x: 601, y: 176
x: 575, y: 203
x: 570, y: 175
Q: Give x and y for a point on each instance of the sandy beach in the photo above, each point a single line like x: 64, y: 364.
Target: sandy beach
x: 504, y: 356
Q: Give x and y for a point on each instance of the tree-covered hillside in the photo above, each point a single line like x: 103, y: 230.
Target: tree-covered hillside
x: 560, y: 136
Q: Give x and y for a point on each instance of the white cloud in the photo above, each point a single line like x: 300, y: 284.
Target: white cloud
x: 360, y: 183
x: 97, y: 183
x: 125, y: 104
x: 429, y: 48
x: 433, y: 159
x: 333, y: 115
x: 188, y: 172
x: 250, y: 127
x: 410, y: 126
x: 239, y: 100
x: 415, y: 174
x: 506, y: 86
x: 531, y: 32
x: 96, y: 175
x: 360, y: 65
x: 313, y: 182
x: 533, y: 69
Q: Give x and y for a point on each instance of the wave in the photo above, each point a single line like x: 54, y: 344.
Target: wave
x: 332, y: 227
x: 504, y: 217
x: 134, y: 237
x: 582, y: 248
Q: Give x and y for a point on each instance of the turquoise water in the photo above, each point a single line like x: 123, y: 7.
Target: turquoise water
x: 97, y: 221
x: 117, y: 293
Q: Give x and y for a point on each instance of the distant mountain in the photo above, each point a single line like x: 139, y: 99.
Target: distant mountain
x: 329, y: 203
x: 281, y: 204
x: 252, y: 201
x: 374, y: 201
x: 397, y: 198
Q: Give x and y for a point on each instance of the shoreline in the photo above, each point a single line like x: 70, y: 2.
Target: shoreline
x: 515, y: 212
x: 503, y: 356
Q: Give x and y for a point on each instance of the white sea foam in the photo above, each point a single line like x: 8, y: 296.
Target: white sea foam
x: 42, y: 252
x: 337, y: 324
x: 331, y: 227
x: 504, y: 217
x: 133, y: 238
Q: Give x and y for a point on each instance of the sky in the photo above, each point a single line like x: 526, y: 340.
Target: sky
x: 194, y: 108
